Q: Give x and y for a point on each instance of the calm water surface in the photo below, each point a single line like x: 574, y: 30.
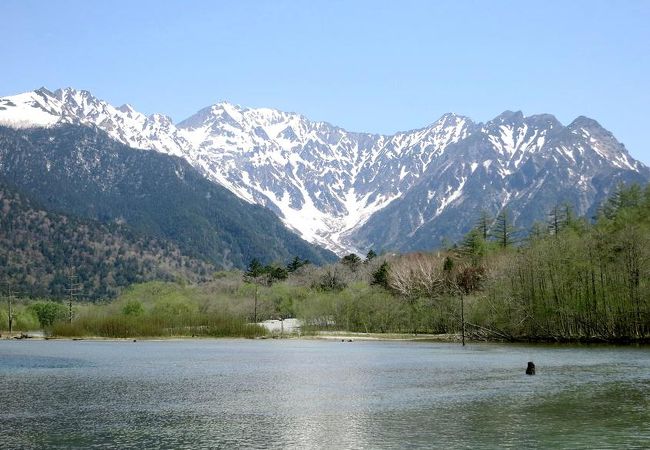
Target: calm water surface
x: 320, y: 394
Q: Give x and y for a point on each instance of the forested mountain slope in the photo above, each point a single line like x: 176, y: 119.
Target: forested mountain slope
x: 78, y: 170
x: 39, y: 248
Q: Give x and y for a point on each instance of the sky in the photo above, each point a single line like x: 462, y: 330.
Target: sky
x: 373, y: 66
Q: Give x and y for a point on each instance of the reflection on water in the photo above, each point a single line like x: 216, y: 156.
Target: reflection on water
x: 317, y: 394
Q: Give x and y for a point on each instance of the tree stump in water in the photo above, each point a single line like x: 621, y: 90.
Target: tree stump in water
x: 530, y: 370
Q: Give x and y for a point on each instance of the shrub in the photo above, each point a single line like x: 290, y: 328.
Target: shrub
x: 48, y: 312
x: 132, y: 308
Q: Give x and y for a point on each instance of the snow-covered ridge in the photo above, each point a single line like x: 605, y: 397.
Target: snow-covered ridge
x: 322, y: 180
x: 43, y: 108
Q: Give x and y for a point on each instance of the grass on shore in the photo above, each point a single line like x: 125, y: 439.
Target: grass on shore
x: 156, y: 326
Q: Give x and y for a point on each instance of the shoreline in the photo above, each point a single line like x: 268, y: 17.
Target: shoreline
x: 345, y: 336
x: 326, y: 336
x: 350, y: 335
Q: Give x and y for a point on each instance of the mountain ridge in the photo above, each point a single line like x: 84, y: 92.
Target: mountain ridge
x: 327, y: 183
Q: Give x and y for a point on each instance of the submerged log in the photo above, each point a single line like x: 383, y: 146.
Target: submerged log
x: 530, y: 370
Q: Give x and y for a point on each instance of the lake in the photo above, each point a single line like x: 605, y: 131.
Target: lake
x: 321, y: 394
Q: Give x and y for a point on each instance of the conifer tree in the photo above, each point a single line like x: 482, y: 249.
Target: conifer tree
x: 473, y: 245
x: 380, y: 276
x: 555, y: 221
x: 503, y: 231
x: 484, y: 223
x: 370, y: 255
x: 255, y: 268
x: 296, y: 263
x: 352, y: 261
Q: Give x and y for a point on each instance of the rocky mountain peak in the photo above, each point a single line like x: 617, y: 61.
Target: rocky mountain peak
x: 160, y: 119
x: 43, y: 91
x: 127, y: 109
x: 509, y: 117
x: 548, y: 121
x: 585, y: 123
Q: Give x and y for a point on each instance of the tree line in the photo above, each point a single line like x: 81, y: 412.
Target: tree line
x: 568, y: 278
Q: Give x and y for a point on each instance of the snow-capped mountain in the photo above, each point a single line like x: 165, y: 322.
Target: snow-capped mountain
x: 43, y: 108
x: 528, y: 165
x: 352, y: 191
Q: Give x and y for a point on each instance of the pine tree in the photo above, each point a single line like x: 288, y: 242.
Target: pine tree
x: 569, y: 216
x: 503, y: 231
x: 276, y: 273
x: 473, y: 245
x: 296, y: 263
x: 560, y: 218
x: 380, y: 276
x: 555, y: 220
x: 352, y: 261
x: 623, y: 197
x: 484, y: 223
x: 255, y: 268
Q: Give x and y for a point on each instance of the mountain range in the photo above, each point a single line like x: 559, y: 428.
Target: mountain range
x: 350, y: 191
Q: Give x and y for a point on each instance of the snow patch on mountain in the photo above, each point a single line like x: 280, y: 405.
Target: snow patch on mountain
x: 27, y: 110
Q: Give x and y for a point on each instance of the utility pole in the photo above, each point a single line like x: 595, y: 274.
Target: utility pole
x: 462, y: 317
x: 73, y: 290
x: 255, y: 306
x: 10, y: 299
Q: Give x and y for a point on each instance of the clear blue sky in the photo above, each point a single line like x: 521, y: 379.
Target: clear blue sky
x: 376, y: 66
